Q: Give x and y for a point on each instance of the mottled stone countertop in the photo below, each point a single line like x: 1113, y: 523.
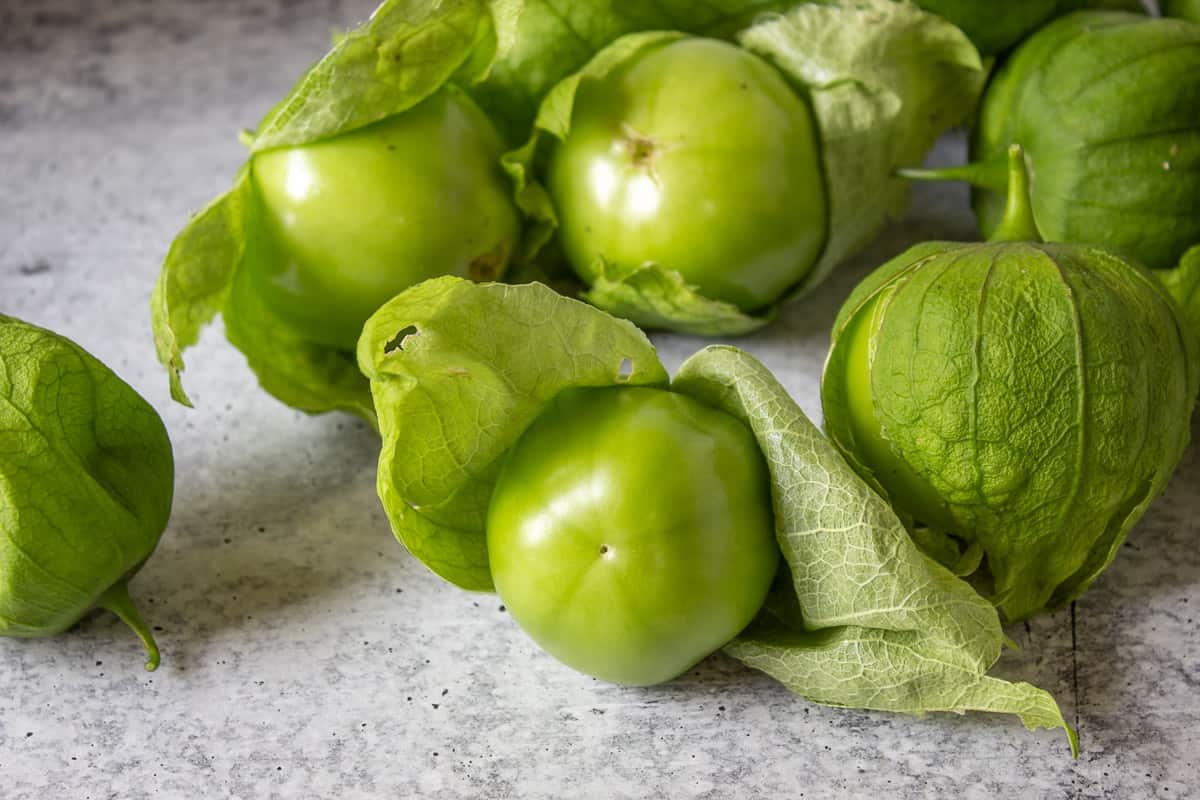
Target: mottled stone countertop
x: 305, y: 654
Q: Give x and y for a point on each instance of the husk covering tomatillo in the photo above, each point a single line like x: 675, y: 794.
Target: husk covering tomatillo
x: 86, y: 481
x: 1107, y: 107
x: 1027, y: 400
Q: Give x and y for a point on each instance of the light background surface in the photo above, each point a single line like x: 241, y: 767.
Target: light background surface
x: 305, y: 654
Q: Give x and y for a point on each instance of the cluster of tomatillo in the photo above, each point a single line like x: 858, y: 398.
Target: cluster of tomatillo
x: 1018, y: 402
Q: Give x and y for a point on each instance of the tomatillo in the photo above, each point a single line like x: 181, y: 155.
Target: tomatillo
x: 1107, y: 107
x: 695, y: 155
x: 1027, y: 398
x: 630, y: 532
x: 349, y: 222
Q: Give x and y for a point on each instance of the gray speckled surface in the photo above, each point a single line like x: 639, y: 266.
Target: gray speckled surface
x: 306, y: 655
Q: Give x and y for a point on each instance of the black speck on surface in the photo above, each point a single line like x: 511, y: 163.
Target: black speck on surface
x: 503, y: 609
x: 35, y: 267
x: 435, y: 705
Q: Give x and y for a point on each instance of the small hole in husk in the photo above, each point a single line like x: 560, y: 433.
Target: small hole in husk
x: 397, y: 341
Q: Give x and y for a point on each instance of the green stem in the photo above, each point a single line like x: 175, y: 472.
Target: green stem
x: 117, y: 600
x: 991, y: 175
x: 1018, y: 224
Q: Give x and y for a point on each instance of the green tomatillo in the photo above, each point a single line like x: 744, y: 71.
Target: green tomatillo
x: 630, y: 532
x: 1027, y: 399
x: 1107, y: 107
x: 86, y: 481
x: 351, y: 221
x: 696, y: 155
x: 377, y: 170
x: 696, y: 184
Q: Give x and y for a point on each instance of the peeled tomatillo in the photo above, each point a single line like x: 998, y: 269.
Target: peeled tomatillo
x: 630, y: 533
x: 697, y: 156
x: 349, y: 222
x: 1029, y: 398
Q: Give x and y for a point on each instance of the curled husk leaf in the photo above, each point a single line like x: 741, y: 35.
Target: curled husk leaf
x: 1183, y: 284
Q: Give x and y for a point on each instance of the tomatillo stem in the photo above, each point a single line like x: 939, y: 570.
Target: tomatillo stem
x: 1018, y: 224
x: 117, y: 600
x: 983, y: 174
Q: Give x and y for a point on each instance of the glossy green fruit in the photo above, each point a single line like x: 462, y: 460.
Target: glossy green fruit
x: 630, y: 533
x: 695, y: 155
x: 890, y: 469
x: 349, y: 222
x: 86, y: 481
x: 1029, y: 398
